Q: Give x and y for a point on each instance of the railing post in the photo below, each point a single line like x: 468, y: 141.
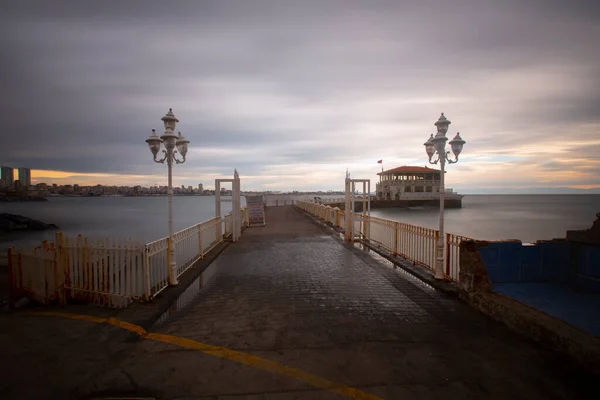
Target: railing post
x: 437, y: 238
x: 146, y: 273
x: 200, y: 242
x: 447, y: 268
x: 396, y: 229
x: 60, y: 268
x: 169, y: 269
x: 12, y: 284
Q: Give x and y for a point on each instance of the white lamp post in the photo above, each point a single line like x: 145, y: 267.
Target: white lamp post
x: 170, y: 141
x: 437, y: 144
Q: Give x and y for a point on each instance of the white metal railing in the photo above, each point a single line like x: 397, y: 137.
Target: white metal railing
x: 157, y: 266
x: 414, y: 243
x: 275, y: 202
x: 329, y: 200
x: 192, y: 243
x: 110, y: 272
x: 228, y: 225
x: 107, y: 272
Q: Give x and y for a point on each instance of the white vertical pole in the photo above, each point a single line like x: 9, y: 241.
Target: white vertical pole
x: 352, y: 207
x: 172, y: 262
x: 218, y: 208
x: 236, y: 206
x: 347, y: 211
x: 439, y: 265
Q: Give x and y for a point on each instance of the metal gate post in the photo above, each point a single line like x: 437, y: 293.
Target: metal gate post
x: 236, y: 206
x: 218, y: 208
x: 348, y: 217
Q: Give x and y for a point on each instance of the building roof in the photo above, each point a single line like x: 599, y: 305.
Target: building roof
x: 407, y: 169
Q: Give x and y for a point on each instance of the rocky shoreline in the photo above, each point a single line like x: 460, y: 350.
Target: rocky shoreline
x: 21, y: 198
x: 13, y: 222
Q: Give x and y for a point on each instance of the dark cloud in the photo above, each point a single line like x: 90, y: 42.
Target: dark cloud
x: 288, y: 82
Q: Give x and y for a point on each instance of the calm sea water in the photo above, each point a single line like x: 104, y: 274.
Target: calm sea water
x: 524, y: 217
x: 496, y: 217
x: 143, y: 218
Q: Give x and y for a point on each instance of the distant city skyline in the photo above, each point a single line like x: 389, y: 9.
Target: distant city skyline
x: 205, y: 187
x: 293, y: 95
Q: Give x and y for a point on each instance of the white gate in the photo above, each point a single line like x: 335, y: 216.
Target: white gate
x: 351, y: 218
x: 236, y: 224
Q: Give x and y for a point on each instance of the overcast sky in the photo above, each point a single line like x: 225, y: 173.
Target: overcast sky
x: 291, y: 93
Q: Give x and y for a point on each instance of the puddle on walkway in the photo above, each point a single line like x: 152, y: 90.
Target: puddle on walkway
x: 189, y: 294
x: 406, y: 275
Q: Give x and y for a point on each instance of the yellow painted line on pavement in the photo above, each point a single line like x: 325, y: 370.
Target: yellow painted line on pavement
x: 221, y: 352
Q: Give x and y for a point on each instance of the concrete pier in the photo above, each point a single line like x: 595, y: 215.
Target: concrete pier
x: 288, y: 312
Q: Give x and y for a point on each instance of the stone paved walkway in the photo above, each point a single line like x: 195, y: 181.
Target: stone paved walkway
x: 292, y: 293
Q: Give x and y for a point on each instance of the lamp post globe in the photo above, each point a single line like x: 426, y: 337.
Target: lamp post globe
x: 457, y: 145
x: 429, y: 147
x: 182, y: 145
x: 442, y: 124
x: 154, y: 143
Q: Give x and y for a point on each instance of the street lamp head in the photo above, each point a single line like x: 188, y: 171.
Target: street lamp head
x: 154, y: 142
x: 169, y: 140
x: 169, y: 120
x: 442, y: 124
x: 439, y: 142
x: 429, y: 148
x: 457, y: 144
x: 182, y: 144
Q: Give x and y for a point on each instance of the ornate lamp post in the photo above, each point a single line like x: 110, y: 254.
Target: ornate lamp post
x: 170, y: 141
x: 437, y: 144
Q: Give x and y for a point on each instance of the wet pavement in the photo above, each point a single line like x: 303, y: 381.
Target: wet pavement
x: 293, y: 293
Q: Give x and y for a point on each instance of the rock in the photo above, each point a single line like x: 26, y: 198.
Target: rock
x: 589, y: 236
x: 11, y: 222
x: 13, y: 198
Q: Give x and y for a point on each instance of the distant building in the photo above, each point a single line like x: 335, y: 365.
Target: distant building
x: 412, y: 183
x: 200, y: 188
x: 25, y: 177
x: 7, y: 176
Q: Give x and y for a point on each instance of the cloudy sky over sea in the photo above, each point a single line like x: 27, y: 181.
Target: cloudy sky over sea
x: 291, y: 93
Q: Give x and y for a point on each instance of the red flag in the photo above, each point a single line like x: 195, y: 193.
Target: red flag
x: 380, y: 162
